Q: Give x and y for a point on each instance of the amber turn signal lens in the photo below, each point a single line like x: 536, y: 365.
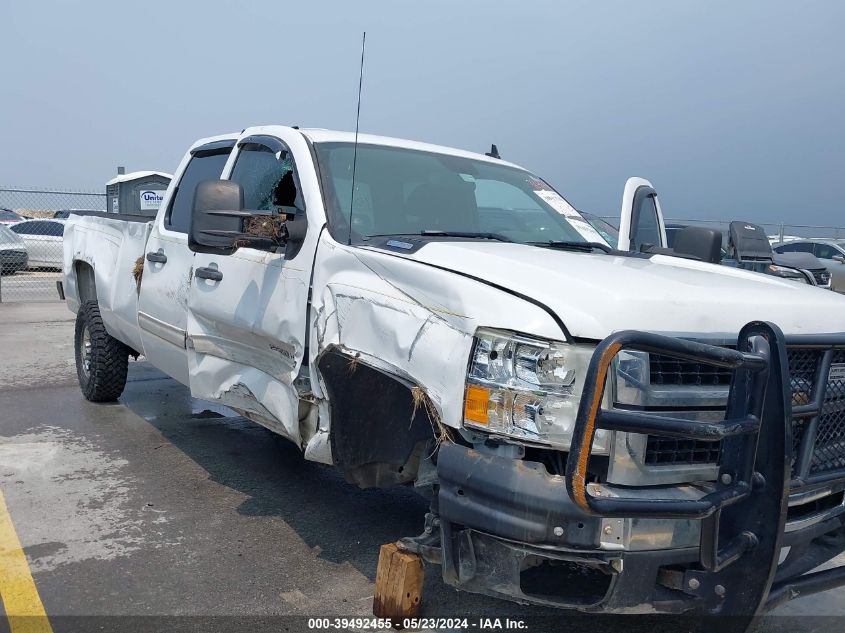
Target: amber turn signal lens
x: 475, y: 404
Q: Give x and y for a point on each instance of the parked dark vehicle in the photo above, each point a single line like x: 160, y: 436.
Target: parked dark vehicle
x: 831, y: 253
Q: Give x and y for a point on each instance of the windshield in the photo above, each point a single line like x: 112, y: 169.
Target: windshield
x: 609, y: 232
x: 5, y: 214
x: 407, y: 192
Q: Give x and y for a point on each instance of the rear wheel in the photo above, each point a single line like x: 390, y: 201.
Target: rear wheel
x: 101, y: 360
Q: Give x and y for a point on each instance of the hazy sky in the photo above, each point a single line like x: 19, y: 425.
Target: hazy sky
x: 733, y: 109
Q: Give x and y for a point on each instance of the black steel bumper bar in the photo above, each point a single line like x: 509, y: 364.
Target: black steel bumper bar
x: 742, y: 423
x: 636, y: 422
x: 805, y: 585
x: 738, y: 433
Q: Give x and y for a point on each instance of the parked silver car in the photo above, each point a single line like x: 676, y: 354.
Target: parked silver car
x: 7, y: 217
x: 830, y: 252
x: 43, y: 239
x: 13, y: 256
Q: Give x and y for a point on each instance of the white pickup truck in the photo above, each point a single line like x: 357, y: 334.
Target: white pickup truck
x: 619, y: 428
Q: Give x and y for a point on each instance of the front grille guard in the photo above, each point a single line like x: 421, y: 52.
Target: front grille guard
x: 818, y: 409
x: 739, y: 432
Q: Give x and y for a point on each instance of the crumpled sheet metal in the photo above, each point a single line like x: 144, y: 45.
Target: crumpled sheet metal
x: 411, y: 321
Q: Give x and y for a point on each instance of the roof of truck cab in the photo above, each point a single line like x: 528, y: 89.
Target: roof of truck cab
x: 318, y: 135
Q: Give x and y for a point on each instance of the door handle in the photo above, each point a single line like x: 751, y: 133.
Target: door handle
x: 157, y: 257
x: 211, y: 274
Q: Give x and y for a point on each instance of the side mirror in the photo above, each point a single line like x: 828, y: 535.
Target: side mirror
x: 220, y: 224
x: 216, y: 217
x: 839, y: 258
x: 700, y: 243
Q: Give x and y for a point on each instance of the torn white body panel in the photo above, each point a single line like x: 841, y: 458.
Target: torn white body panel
x: 416, y: 323
x: 249, y: 327
x: 251, y: 392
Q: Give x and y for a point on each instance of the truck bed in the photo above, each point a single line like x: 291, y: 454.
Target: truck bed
x: 110, y: 245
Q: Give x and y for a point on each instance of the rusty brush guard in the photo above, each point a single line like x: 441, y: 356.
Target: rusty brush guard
x: 757, y: 406
x: 496, y: 513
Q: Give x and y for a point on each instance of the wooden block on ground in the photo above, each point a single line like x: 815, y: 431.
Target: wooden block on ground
x: 399, y: 584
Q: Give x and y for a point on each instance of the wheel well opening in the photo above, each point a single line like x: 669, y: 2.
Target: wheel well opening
x: 86, y: 283
x: 381, y: 426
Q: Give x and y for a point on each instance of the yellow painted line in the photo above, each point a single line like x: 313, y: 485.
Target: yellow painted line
x: 21, y: 601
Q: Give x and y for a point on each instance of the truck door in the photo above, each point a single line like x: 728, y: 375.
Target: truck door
x: 247, y: 310
x: 163, y: 300
x: 641, y: 221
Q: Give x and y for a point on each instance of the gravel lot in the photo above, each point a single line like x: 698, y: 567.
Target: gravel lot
x: 161, y: 505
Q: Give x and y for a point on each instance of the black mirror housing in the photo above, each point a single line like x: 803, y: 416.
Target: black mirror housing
x: 297, y: 227
x: 699, y: 243
x: 217, y: 217
x: 220, y: 224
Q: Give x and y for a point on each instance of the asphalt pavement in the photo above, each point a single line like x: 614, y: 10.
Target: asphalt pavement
x: 142, y: 513
x: 27, y: 286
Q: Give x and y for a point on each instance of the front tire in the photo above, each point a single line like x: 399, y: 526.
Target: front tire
x: 101, y: 360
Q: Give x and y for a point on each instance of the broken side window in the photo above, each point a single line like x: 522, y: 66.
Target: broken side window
x: 268, y: 179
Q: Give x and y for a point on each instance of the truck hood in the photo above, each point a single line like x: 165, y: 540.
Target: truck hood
x: 597, y: 294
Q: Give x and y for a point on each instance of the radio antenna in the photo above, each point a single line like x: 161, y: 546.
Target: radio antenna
x: 355, y: 150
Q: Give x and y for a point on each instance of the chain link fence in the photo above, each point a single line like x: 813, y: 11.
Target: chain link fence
x: 31, y: 228
x: 778, y: 232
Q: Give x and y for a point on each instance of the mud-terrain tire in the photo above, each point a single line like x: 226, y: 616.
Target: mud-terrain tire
x: 101, y: 360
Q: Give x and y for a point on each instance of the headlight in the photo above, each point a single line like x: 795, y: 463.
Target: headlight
x: 790, y: 274
x: 527, y: 388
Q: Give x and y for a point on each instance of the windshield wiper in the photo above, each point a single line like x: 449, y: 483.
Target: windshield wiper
x: 583, y: 247
x: 436, y: 233
x: 470, y: 234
